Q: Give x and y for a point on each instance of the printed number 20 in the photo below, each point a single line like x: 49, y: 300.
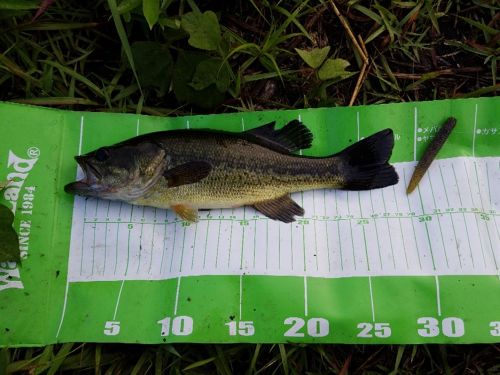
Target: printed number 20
x: 316, y: 327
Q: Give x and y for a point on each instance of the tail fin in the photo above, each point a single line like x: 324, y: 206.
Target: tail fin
x: 366, y: 162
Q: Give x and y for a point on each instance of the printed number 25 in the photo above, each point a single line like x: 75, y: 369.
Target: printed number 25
x: 381, y: 330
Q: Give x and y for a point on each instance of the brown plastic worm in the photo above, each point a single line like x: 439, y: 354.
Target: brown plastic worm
x: 431, y: 152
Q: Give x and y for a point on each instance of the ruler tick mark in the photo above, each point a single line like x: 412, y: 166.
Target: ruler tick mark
x: 306, y: 306
x: 241, y: 297
x: 177, y: 290
x: 415, y: 126
x: 438, y: 296
x: 372, y: 303
x: 118, y: 299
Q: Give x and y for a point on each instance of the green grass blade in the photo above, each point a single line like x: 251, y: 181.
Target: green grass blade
x: 253, y: 362
x: 16, y: 70
x: 57, y: 26
x: 369, y: 13
x: 193, y: 6
x: 284, y: 358
x: 399, y: 356
x: 59, y: 358
x: 221, y: 361
x: 432, y: 14
x: 291, y: 17
x: 123, y: 38
x: 19, y: 4
x: 54, y: 100
x: 481, y: 26
x: 76, y: 76
x: 257, y: 8
x: 196, y: 364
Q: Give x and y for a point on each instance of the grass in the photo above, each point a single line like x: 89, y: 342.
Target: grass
x: 78, y: 57
x: 254, y: 359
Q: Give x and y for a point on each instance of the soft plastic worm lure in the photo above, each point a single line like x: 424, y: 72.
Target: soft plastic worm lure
x: 430, y: 153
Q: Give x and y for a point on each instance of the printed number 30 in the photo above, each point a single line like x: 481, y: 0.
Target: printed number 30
x: 495, y: 329
x: 450, y: 327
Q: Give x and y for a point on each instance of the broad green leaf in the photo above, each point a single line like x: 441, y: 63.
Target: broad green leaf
x: 154, y: 64
x: 170, y: 22
x: 210, y: 72
x: 127, y: 6
x: 151, y: 10
x: 184, y: 71
x: 203, y: 29
x: 3, y: 184
x: 9, y: 243
x: 315, y: 57
x: 334, y: 68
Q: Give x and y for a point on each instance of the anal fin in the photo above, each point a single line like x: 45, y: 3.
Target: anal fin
x: 185, y: 212
x: 283, y: 209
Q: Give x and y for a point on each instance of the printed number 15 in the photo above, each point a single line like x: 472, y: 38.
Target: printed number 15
x: 241, y: 328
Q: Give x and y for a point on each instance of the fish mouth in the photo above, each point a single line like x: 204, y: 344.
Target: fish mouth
x: 89, y: 185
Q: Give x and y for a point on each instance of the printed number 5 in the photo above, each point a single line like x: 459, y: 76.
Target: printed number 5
x: 111, y: 328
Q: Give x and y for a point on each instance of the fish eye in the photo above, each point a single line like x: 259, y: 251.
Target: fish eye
x: 102, y: 154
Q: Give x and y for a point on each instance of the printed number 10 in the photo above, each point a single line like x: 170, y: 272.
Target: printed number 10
x: 179, y: 326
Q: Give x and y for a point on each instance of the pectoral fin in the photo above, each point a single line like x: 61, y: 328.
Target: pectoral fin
x: 283, y: 209
x: 185, y: 212
x: 187, y: 173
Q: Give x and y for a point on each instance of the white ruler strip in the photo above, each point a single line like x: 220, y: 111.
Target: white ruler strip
x: 447, y: 227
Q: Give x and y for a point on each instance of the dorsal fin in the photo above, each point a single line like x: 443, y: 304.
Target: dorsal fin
x: 294, y: 136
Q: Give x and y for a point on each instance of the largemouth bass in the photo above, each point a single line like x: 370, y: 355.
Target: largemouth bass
x: 187, y: 170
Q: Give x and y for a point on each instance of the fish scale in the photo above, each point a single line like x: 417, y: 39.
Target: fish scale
x: 243, y: 173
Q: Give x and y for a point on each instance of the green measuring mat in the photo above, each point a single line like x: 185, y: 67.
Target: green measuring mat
x: 360, y: 267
